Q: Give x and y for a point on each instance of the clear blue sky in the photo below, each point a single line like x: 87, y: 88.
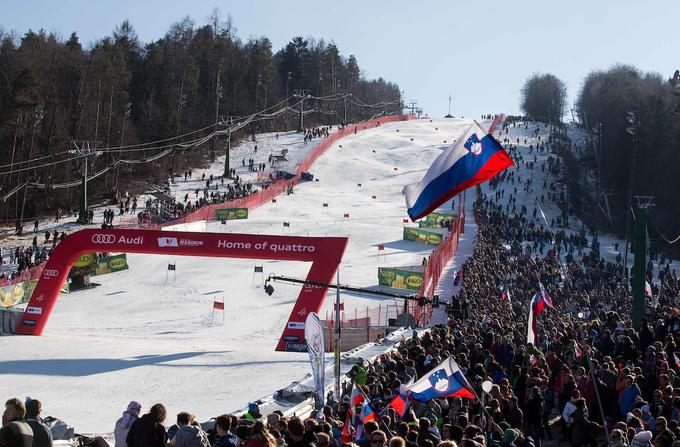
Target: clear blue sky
x: 480, y: 51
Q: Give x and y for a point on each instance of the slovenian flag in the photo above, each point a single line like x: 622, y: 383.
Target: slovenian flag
x: 367, y: 414
x: 648, y: 289
x: 355, y: 399
x: 505, y: 295
x: 544, y: 294
x: 578, y: 354
x: 446, y: 380
x: 473, y: 159
x: 676, y: 360
x: 536, y: 307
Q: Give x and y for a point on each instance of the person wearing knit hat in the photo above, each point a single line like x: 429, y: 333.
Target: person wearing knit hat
x: 124, y: 423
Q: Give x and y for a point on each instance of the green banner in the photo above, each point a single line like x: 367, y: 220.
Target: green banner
x: 110, y: 264
x: 422, y: 236
x: 231, y: 213
x: 440, y: 217
x: 84, y: 265
x: 17, y: 293
x: 399, y: 279
x: 90, y: 264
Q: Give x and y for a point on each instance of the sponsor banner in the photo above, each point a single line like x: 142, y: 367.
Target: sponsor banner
x: 399, y: 279
x: 110, y: 264
x: 296, y: 325
x: 291, y: 338
x: 231, y: 213
x: 440, y: 217
x: 316, y: 348
x: 296, y: 347
x: 422, y: 236
x: 34, y: 310
x: 17, y: 293
x: 28, y: 322
x: 90, y: 264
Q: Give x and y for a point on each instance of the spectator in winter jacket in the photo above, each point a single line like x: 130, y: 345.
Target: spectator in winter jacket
x: 253, y: 412
x: 15, y: 432
x: 148, y: 430
x: 189, y: 433
x: 225, y: 438
x: 42, y: 436
x: 125, y: 422
x: 628, y: 395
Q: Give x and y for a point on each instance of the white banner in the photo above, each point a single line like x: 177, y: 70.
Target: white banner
x: 316, y: 348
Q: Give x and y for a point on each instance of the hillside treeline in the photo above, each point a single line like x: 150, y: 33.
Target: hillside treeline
x: 627, y: 102
x: 119, y: 91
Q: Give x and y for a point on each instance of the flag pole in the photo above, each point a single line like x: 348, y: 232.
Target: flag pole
x: 597, y: 390
x: 379, y: 419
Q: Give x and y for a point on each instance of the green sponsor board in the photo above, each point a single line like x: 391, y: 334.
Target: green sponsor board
x: 422, y: 236
x: 399, y: 279
x: 90, y: 264
x: 84, y: 265
x: 110, y: 264
x: 17, y: 293
x: 440, y: 217
x: 431, y: 224
x: 231, y: 213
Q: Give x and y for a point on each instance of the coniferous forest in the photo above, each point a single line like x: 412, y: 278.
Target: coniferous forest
x: 122, y: 99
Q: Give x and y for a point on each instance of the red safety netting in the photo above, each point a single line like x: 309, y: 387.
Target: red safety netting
x: 435, y: 265
x: 32, y: 273
x: 265, y: 196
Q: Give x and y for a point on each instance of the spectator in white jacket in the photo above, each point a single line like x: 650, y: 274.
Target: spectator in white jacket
x: 125, y: 422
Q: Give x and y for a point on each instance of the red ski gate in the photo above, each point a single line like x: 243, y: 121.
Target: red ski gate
x: 324, y: 253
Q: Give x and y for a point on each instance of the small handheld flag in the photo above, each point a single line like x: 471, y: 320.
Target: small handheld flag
x: 400, y: 404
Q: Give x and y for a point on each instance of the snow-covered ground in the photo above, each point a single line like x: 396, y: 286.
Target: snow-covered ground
x: 138, y: 336
x: 267, y: 144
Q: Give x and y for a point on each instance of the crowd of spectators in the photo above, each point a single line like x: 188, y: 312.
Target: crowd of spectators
x: 592, y: 378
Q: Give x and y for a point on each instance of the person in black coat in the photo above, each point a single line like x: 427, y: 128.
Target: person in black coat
x: 42, y: 436
x: 148, y: 431
x: 583, y: 431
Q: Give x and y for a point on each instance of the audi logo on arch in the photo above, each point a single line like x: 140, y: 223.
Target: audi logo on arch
x: 50, y: 273
x: 103, y: 238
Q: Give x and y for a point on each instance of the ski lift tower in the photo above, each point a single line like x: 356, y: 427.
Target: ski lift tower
x: 85, y: 149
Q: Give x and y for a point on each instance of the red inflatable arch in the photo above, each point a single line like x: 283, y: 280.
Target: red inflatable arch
x: 325, y: 254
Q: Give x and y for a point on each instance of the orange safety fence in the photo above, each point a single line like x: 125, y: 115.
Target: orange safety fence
x: 435, y: 265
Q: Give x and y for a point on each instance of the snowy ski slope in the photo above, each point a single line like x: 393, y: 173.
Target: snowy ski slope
x: 138, y: 337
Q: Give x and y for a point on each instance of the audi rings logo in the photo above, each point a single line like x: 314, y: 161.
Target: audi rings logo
x: 50, y: 273
x: 103, y: 238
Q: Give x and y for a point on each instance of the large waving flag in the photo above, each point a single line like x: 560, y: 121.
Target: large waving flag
x: 472, y: 159
x: 446, y: 380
